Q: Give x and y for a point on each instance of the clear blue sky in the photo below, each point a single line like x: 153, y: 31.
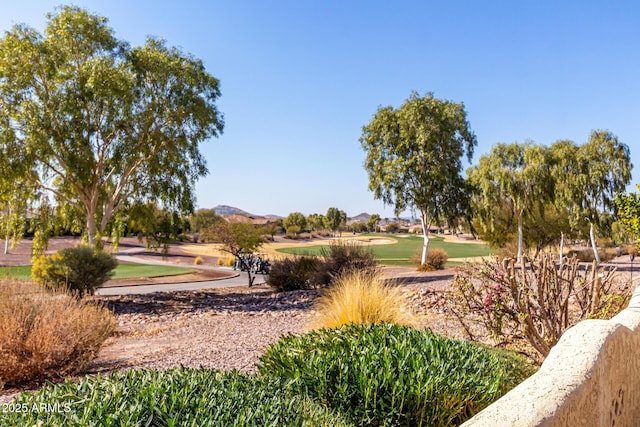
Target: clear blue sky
x: 300, y: 78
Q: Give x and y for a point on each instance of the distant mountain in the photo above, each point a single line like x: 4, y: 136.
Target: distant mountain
x: 225, y: 210
x: 273, y: 217
x: 363, y: 217
x: 235, y: 213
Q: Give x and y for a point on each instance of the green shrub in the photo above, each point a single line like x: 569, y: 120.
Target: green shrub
x: 340, y: 259
x: 386, y: 374
x: 45, y: 335
x: 185, y: 397
x: 292, y: 274
x: 78, y: 270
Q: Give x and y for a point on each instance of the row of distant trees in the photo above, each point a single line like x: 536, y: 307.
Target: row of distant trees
x: 334, y: 221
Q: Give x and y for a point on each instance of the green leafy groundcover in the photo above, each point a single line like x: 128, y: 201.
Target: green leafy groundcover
x: 391, y: 375
x: 381, y: 375
x: 176, y: 397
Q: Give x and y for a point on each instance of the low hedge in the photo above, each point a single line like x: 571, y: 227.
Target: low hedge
x: 385, y: 374
x: 176, y: 397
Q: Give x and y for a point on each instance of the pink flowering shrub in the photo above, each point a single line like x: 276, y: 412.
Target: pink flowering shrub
x: 533, y: 302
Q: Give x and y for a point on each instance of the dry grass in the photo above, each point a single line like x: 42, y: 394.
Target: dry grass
x: 361, y: 298
x: 47, y: 335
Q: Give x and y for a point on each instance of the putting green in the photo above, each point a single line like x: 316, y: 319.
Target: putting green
x: 402, y: 249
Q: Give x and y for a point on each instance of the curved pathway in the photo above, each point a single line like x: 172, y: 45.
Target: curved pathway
x: 238, y: 279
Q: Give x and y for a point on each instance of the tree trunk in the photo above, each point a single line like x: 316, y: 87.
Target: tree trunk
x: 561, y: 247
x: 425, y: 235
x: 91, y: 229
x: 247, y: 266
x: 592, y: 235
x: 6, y: 239
x: 520, y: 238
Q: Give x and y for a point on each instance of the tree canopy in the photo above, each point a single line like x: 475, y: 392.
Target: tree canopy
x: 628, y: 210
x: 413, y: 158
x: 295, y: 222
x: 238, y: 239
x: 334, y: 219
x: 99, y: 123
x: 515, y: 176
x: 605, y: 170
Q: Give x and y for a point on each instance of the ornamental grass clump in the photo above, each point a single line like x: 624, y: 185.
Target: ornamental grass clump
x: 173, y: 397
x: 46, y: 334
x: 361, y: 297
x: 386, y: 375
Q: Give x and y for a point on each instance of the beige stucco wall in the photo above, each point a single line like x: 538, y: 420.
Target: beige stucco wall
x: 590, y: 378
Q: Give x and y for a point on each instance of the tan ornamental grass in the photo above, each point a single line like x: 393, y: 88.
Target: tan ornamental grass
x: 47, y: 334
x: 358, y: 297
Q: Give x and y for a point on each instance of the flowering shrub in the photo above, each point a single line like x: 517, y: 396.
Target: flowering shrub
x: 534, y: 301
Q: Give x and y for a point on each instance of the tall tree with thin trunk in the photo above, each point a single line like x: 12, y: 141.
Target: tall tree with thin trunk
x: 514, y: 175
x: 413, y: 158
x: 604, y: 170
x: 334, y: 219
x: 15, y: 193
x: 102, y: 123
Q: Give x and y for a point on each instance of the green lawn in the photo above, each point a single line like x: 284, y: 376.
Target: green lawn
x: 123, y: 271
x: 131, y: 271
x: 405, y: 248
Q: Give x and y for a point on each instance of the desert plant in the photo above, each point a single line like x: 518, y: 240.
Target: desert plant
x: 181, y: 396
x: 78, y: 270
x: 361, y: 297
x: 436, y: 259
x: 47, y: 334
x: 339, y: 259
x: 537, y: 299
x: 292, y: 274
x: 198, y: 260
x: 220, y: 262
x: 385, y: 374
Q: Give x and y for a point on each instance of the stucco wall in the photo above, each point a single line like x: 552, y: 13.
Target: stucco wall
x: 590, y: 378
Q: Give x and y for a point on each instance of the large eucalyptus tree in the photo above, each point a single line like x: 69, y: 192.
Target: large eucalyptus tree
x: 100, y: 123
x: 413, y: 158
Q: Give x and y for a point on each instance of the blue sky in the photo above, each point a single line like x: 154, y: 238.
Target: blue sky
x: 300, y: 78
